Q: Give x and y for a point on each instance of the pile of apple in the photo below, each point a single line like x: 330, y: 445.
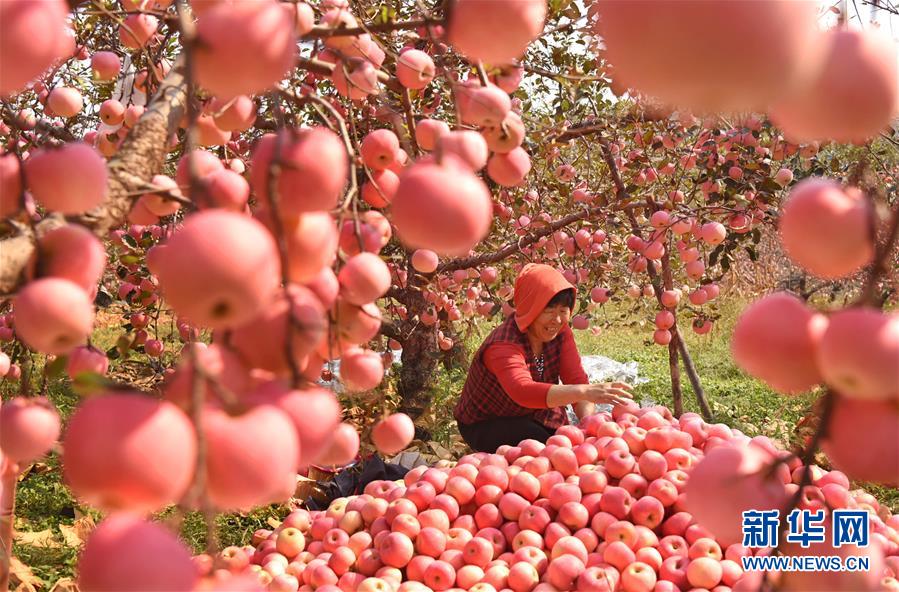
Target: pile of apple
x: 635, y: 500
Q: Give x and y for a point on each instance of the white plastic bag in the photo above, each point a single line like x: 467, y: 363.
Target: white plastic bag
x: 603, y: 369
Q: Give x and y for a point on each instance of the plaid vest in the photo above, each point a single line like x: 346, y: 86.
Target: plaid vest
x: 483, y: 396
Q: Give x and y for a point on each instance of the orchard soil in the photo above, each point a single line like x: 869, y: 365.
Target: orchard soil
x: 50, y: 525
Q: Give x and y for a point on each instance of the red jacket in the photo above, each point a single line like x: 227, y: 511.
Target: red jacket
x: 503, y: 380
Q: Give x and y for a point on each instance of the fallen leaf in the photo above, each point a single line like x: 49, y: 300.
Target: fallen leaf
x: 43, y: 538
x: 22, y: 573
x: 273, y: 522
x: 440, y: 451
x: 70, y: 536
x: 305, y: 488
x: 64, y: 585
x: 36, y: 468
x: 84, y: 526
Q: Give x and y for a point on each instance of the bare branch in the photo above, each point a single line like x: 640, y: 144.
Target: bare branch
x: 323, y: 68
x: 676, y: 338
x: 550, y: 74
x: 512, y: 248
x: 577, y: 131
x: 321, y: 32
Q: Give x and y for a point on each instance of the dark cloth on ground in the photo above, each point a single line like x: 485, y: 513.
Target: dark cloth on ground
x: 353, y: 481
x: 488, y: 435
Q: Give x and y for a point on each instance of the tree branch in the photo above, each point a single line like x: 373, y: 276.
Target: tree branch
x: 323, y: 68
x: 11, y: 119
x: 391, y: 331
x: 141, y: 156
x: 576, y: 131
x: 676, y: 337
x: 826, y: 405
x: 321, y: 32
x: 512, y: 248
x: 673, y: 365
x: 881, y: 264
x: 550, y: 74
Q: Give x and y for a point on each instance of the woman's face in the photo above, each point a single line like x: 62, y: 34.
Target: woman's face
x: 550, y: 322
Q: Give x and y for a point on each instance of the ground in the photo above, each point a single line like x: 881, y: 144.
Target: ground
x: 48, y: 520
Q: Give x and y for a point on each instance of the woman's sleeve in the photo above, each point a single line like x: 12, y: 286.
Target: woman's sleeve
x: 570, y: 369
x: 508, y: 364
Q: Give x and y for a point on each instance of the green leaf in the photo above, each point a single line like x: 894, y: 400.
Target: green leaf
x: 558, y: 56
x: 572, y: 12
x: 753, y: 256
x: 769, y: 184
x: 87, y: 381
x: 129, y: 240
x: 56, y: 367
x: 123, y: 344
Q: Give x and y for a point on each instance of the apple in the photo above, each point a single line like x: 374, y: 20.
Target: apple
x: 393, y: 433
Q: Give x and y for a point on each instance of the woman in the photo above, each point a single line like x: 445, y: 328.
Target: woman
x: 512, y: 391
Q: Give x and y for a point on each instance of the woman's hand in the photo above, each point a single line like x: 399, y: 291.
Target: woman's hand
x: 609, y: 393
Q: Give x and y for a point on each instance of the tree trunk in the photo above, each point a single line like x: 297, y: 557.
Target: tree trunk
x: 141, y: 156
x: 420, y: 354
x: 694, y: 378
x: 678, y: 342
x: 417, y: 374
x: 8, y: 481
x: 673, y: 367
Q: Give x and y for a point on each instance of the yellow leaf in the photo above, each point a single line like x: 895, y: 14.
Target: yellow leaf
x: 22, y: 573
x: 36, y: 468
x: 84, y: 526
x: 273, y: 522
x: 43, y: 538
x: 64, y: 585
x: 440, y: 451
x: 70, y: 535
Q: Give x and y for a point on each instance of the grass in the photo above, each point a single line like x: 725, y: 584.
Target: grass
x: 734, y: 397
x: 44, y: 503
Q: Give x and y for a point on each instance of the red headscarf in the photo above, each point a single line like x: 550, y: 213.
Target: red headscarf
x: 535, y: 286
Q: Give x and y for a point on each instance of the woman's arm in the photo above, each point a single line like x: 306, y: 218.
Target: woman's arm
x: 507, y: 362
x: 613, y: 393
